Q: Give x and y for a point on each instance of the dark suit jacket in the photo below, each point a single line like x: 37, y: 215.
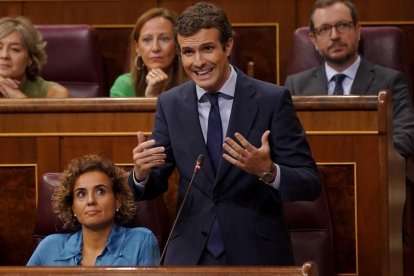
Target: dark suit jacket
x: 250, y: 212
x: 369, y: 80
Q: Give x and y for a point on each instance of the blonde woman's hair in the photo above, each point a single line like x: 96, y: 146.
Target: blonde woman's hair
x: 137, y: 67
x: 31, y: 39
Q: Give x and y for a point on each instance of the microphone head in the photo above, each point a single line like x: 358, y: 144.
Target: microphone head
x: 199, y: 163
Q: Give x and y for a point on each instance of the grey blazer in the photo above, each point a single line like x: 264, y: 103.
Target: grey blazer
x: 369, y: 80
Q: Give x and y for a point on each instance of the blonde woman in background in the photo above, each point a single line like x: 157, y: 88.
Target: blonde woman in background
x: 154, y: 64
x: 22, y: 55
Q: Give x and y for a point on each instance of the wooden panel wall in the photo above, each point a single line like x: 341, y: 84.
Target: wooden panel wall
x: 289, y: 14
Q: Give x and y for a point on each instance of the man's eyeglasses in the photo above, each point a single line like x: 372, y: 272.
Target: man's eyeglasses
x: 340, y: 27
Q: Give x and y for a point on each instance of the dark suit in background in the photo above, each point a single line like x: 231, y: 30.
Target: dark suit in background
x: 369, y: 80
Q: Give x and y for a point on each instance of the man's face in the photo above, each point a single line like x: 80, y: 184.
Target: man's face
x: 204, y: 59
x: 339, y: 46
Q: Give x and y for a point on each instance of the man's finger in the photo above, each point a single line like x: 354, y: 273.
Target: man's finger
x: 141, y: 137
x: 265, y: 138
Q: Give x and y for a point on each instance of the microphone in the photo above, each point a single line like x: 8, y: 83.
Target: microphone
x: 197, y: 167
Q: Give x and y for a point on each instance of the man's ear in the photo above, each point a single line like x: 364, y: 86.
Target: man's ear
x: 358, y: 30
x: 229, y: 46
x: 313, y: 39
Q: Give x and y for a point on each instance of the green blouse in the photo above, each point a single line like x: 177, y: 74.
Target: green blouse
x: 123, y: 87
x: 37, y: 88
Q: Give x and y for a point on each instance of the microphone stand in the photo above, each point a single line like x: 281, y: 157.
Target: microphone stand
x: 197, y: 168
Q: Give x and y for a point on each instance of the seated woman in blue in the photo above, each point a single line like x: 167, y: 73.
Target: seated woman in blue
x: 94, y: 198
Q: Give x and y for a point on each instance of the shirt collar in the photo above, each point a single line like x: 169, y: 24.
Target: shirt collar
x: 73, y: 246
x: 116, y: 240
x: 228, y: 87
x: 350, y: 72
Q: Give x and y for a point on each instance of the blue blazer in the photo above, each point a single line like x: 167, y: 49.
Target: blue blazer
x: 250, y: 212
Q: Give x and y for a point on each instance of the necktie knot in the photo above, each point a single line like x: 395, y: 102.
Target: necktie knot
x: 338, y: 79
x: 213, y: 98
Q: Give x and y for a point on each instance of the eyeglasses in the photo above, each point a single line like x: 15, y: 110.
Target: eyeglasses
x: 340, y: 27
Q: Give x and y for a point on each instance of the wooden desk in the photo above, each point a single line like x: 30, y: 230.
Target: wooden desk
x: 43, y: 135
x: 307, y: 269
x: 350, y: 139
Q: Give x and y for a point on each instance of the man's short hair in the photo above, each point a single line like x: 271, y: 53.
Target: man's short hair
x: 203, y: 15
x: 319, y: 4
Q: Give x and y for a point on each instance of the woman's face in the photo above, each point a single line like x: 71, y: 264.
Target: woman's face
x: 14, y: 57
x: 156, y: 43
x: 94, y: 202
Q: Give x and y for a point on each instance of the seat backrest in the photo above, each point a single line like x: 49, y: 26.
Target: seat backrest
x: 151, y: 214
x: 311, y: 232
x: 74, y: 59
x: 383, y: 45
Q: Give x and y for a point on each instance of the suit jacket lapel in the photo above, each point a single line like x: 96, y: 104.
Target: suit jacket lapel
x: 363, y: 78
x: 188, y: 114
x: 242, y: 116
x: 318, y: 84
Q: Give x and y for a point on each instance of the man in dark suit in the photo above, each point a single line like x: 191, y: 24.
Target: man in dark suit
x: 233, y: 214
x: 335, y: 32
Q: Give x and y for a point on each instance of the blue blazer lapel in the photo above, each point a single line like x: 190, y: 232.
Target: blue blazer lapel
x: 194, y: 139
x: 242, y: 116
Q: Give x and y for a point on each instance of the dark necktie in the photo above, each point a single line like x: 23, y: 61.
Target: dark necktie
x: 214, y: 130
x: 214, y: 147
x: 338, y: 79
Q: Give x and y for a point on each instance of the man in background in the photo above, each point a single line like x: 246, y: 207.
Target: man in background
x: 335, y: 32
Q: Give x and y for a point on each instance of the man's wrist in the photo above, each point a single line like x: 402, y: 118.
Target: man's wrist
x: 269, y: 176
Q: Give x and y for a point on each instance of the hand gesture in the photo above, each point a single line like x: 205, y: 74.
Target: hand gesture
x: 146, y: 157
x: 245, y: 156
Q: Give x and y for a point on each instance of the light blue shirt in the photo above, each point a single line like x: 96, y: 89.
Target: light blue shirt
x: 350, y: 73
x: 125, y: 247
